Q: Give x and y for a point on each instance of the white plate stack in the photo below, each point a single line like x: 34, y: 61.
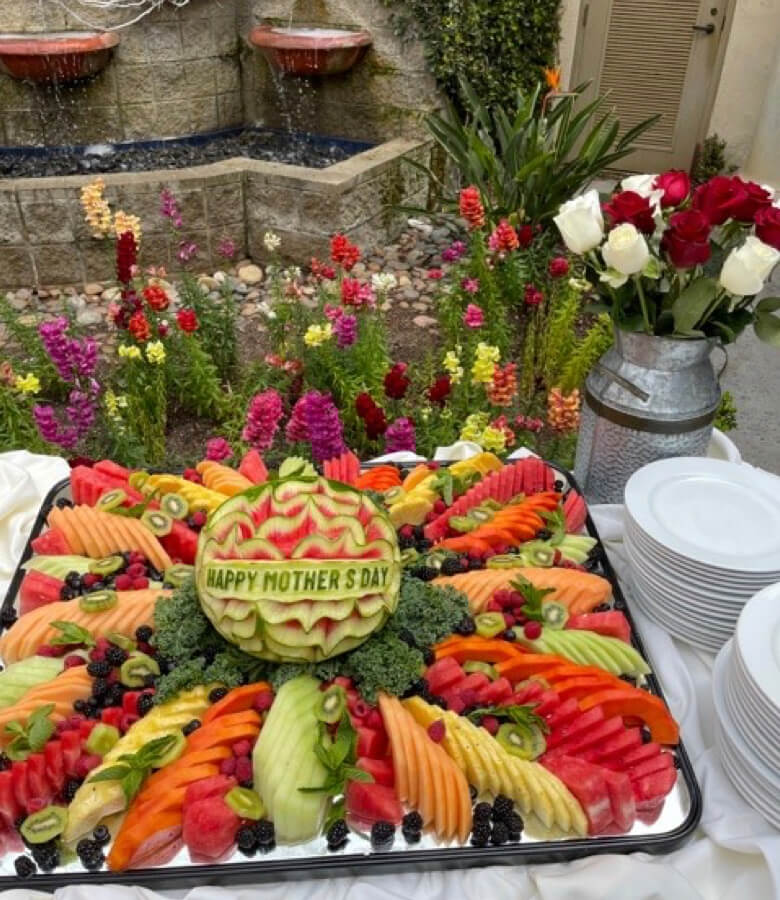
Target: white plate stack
x: 746, y: 692
x: 702, y: 536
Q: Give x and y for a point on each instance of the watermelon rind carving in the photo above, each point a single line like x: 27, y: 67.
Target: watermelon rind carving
x: 298, y: 570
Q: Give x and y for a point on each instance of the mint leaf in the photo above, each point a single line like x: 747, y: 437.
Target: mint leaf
x: 131, y: 783
x: 71, y: 634
x: 532, y: 608
x: 112, y: 773
x: 517, y: 714
x: 149, y: 756
x: 32, y: 735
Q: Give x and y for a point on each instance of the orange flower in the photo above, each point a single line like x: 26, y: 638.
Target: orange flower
x: 563, y: 410
x: 553, y: 78
x: 502, y: 391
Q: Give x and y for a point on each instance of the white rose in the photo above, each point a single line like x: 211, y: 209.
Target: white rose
x: 625, y: 250
x: 581, y: 223
x: 747, y: 267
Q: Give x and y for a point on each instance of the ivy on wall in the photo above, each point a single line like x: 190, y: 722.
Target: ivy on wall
x: 498, y: 45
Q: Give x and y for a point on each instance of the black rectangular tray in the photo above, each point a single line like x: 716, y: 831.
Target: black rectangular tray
x: 290, y: 864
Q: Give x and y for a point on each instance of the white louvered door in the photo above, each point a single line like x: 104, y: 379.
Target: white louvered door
x: 654, y: 56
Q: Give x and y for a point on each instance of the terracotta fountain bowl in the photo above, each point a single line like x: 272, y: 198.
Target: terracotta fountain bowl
x: 57, y: 56
x: 310, y: 51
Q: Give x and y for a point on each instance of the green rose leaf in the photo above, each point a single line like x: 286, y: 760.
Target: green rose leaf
x: 692, y: 304
x: 767, y: 324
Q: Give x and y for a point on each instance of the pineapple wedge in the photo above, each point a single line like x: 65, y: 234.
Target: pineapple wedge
x: 492, y: 770
x: 94, y: 801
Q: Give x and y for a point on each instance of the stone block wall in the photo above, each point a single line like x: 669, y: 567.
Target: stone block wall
x: 385, y: 95
x: 176, y: 72
x: 44, y: 240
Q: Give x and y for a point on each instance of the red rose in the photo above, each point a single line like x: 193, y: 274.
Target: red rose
x: 768, y: 226
x: 396, y: 381
x: 719, y: 198
x: 676, y: 186
x: 559, y: 266
x: 440, y: 389
x: 187, y: 320
x: 687, y: 239
x: 138, y: 326
x: 156, y: 297
x: 525, y: 234
x: 755, y: 198
x: 628, y: 206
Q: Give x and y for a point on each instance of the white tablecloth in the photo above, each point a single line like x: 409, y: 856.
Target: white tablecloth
x: 735, y: 853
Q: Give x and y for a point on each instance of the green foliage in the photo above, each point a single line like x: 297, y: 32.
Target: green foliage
x: 385, y: 663
x: 192, y: 377
x: 500, y: 46
x: 17, y: 426
x: 29, y: 354
x: 726, y: 416
x: 589, y: 349
x: 528, y: 157
x: 711, y: 160
x: 217, y: 318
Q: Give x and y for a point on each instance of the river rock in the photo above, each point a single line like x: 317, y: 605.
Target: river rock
x: 250, y: 274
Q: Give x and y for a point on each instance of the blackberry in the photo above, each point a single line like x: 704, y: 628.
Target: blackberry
x: 419, y: 532
x: 473, y: 793
x: 474, y: 563
x: 543, y: 534
x: 425, y: 573
x: 676, y: 759
x: 166, y: 666
x: 5, y: 762
x: 482, y: 812
x: 337, y: 835
x: 90, y: 854
x: 602, y: 607
x: 101, y: 835
x: 410, y: 836
x: 70, y: 788
x: 7, y: 617
x: 192, y: 725
x: 466, y: 626
x: 113, y: 695
x: 424, y: 544
x: 480, y: 834
x: 405, y: 543
x: 92, y: 709
x: 144, y: 703
x: 502, y: 808
x: 515, y: 825
x: 116, y: 656
x: 84, y: 847
x: 508, y: 635
x: 429, y: 657
x: 46, y: 855
x: 143, y: 634
x: 154, y: 574
x: 149, y: 681
x: 246, y: 839
x: 407, y: 637
x: 558, y: 485
x: 265, y: 833
x: 419, y: 687
x: 412, y: 821
x: 99, y: 668
x: 450, y: 566
x: 24, y: 866
x: 646, y: 736
x: 382, y: 835
x: 217, y: 694
x: 96, y: 586
x: 99, y: 687
x: 499, y: 834
x: 62, y: 502
x: 79, y: 705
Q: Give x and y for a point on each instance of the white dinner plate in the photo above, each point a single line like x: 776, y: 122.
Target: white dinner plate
x: 677, y: 629
x: 723, y: 514
x: 694, y: 568
x: 754, y: 797
x: 743, y: 712
x: 679, y: 609
x: 758, y: 636
x: 759, y: 700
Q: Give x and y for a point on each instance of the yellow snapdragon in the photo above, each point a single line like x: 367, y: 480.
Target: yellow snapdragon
x: 30, y: 384
x: 318, y: 334
x: 155, y: 353
x: 473, y: 427
x: 486, y: 358
x: 126, y: 222
x: 114, y: 403
x: 452, y: 365
x: 96, y: 209
x: 129, y: 352
x: 492, y: 438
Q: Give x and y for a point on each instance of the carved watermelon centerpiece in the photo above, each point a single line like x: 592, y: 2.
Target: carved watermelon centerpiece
x: 298, y: 570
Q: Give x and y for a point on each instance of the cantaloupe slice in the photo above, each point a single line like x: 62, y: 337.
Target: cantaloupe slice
x: 58, y: 519
x: 431, y: 782
x: 63, y: 690
x: 83, y: 523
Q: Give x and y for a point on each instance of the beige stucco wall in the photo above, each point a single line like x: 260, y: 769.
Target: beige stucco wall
x: 763, y: 164
x: 570, y: 13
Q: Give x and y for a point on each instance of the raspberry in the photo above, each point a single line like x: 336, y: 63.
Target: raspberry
x: 439, y: 507
x: 263, y: 701
x: 199, y: 518
x: 123, y: 582
x: 509, y: 619
x: 406, y: 531
x: 192, y: 475
x: 517, y: 599
x: 437, y: 731
x: 503, y: 597
x: 135, y: 570
x: 86, y: 763
x: 74, y: 660
x: 89, y: 579
x: 140, y: 584
x: 48, y: 650
x: 490, y: 724
x: 136, y: 557
x: 127, y: 721
x: 241, y: 748
x: 228, y: 765
x: 532, y: 630
x: 243, y: 770
x: 493, y: 605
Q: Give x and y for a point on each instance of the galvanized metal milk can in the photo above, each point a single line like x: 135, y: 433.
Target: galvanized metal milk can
x: 647, y: 398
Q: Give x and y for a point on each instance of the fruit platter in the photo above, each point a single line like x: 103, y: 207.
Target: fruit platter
x: 234, y: 675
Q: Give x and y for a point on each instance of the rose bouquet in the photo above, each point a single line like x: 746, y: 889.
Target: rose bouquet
x: 683, y: 263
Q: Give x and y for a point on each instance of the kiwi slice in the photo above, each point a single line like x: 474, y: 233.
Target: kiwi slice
x: 137, y: 479
x: 106, y: 566
x: 97, y: 601
x: 121, y: 640
x: 136, y: 667
x: 555, y: 615
x: 483, y: 668
x: 394, y: 495
x: 489, y: 624
x: 525, y: 741
x: 176, y: 749
x: 504, y: 561
x: 44, y: 825
x: 409, y: 556
x: 177, y: 575
x: 331, y: 704
x: 538, y: 553
x: 102, y: 738
x: 480, y: 515
x: 245, y: 803
x: 462, y: 523
x: 175, y: 505
x: 159, y: 523
x: 111, y: 499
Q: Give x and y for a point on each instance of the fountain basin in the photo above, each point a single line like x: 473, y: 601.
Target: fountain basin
x: 310, y: 51
x: 56, y: 57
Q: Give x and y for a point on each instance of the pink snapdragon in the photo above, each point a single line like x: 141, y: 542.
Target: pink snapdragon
x: 474, y: 317
x: 217, y: 449
x: 262, y: 420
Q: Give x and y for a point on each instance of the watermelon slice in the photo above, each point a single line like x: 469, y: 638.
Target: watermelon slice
x: 566, y: 713
x: 621, y: 799
x: 590, y: 737
x: 588, y: 785
x: 381, y: 770
x: 181, y: 543
x: 575, y: 512
x: 371, y: 742
x: 216, y: 786
x: 444, y: 674
x: 112, y: 469
x: 612, y: 751
x: 577, y: 726
x: 88, y: 485
x: 370, y: 802
x: 209, y: 828
x: 253, y: 467
x: 651, y: 789
x: 51, y: 543
x: 610, y: 624
x: 37, y: 590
